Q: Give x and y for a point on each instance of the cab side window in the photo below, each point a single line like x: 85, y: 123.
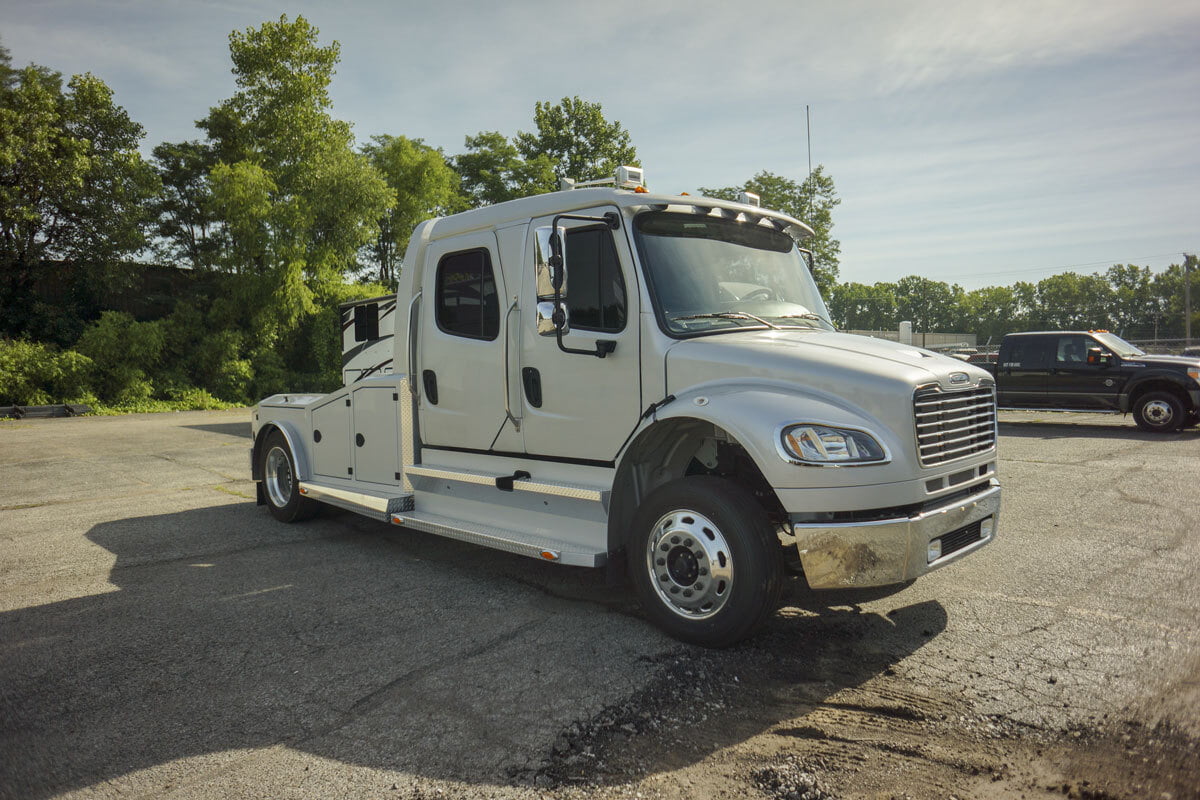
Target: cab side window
x: 465, y: 295
x: 1027, y: 353
x: 595, y: 287
x: 1072, y: 349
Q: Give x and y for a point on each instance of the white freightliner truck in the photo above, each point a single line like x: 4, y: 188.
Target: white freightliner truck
x: 604, y: 376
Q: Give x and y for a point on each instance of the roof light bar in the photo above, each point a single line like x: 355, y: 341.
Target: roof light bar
x: 625, y: 178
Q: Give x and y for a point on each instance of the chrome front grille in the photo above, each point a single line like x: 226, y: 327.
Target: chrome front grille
x: 954, y: 425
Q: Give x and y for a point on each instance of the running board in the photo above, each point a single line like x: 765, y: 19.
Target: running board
x: 509, y: 541
x: 518, y: 482
x: 376, y: 505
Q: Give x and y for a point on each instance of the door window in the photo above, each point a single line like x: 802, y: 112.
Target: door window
x: 1072, y: 350
x: 595, y: 288
x: 466, y: 299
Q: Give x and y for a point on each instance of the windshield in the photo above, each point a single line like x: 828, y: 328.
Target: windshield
x: 711, y: 274
x: 1118, y: 345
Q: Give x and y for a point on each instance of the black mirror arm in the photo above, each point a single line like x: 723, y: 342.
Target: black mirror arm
x: 603, y: 346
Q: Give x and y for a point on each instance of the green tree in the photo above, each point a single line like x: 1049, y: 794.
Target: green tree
x: 991, y: 312
x: 295, y: 203
x: 575, y: 135
x: 811, y: 201
x: 186, y: 225
x: 1070, y: 301
x: 424, y: 185
x: 930, y: 305
x: 493, y: 171
x: 859, y: 307
x: 1135, y: 305
x: 72, y: 185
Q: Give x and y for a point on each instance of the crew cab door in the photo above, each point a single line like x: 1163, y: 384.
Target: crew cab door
x: 1073, y: 382
x: 1021, y: 372
x: 581, y: 407
x: 460, y: 371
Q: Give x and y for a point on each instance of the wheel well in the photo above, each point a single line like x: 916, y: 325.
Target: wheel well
x: 255, y: 461
x: 674, y: 449
x: 1144, y: 388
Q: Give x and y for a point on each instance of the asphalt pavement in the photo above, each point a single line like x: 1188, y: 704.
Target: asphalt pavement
x: 162, y: 636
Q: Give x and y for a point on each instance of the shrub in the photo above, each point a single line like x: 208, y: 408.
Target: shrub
x: 34, y: 374
x: 125, y: 352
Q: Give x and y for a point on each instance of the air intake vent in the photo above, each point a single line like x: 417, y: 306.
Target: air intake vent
x: 954, y: 425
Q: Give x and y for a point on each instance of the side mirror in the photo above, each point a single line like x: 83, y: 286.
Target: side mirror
x: 550, y: 281
x: 1098, y: 357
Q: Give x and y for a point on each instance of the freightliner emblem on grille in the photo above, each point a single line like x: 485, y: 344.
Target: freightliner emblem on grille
x: 959, y: 377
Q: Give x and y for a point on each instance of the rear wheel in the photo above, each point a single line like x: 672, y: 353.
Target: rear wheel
x: 281, y: 487
x: 704, y: 561
x: 1158, y: 411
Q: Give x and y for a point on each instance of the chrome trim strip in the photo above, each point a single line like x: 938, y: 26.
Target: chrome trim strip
x: 408, y: 433
x: 516, y: 421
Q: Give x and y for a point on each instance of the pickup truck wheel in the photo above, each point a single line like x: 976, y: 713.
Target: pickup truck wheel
x: 280, y: 485
x: 1158, y: 411
x: 705, y: 561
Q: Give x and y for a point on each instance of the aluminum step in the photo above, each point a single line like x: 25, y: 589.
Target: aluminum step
x: 572, y: 490
x: 380, y: 505
x: 519, y: 542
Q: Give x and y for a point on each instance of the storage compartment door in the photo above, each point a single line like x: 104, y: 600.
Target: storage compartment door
x: 377, y: 434
x: 331, y: 439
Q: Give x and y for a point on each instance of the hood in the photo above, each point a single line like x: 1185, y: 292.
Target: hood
x: 1152, y: 360
x: 876, y: 375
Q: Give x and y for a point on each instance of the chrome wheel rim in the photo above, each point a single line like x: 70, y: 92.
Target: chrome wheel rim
x: 277, y: 475
x: 690, y: 565
x: 1158, y: 413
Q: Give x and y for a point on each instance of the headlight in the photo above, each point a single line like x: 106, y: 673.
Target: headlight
x: 821, y: 444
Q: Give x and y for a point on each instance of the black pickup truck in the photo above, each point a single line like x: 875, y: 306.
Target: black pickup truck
x: 1096, y: 371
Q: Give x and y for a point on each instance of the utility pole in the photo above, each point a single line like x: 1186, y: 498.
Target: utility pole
x: 1188, y: 263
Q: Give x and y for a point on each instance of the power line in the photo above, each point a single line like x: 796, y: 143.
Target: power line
x: 1072, y: 266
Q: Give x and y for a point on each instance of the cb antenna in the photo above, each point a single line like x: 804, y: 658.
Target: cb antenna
x: 808, y: 127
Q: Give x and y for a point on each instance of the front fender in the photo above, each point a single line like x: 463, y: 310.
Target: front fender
x: 754, y: 411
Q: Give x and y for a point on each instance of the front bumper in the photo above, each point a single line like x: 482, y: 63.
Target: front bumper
x: 883, y: 552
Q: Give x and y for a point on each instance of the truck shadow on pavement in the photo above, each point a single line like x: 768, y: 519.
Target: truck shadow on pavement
x: 370, y: 646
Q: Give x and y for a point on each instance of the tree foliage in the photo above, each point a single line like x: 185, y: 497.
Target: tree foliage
x: 424, y: 186
x: 577, y: 138
x: 812, y: 201
x: 493, y: 171
x: 72, y: 184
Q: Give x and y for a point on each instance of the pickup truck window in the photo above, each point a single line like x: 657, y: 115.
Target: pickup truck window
x: 595, y: 287
x: 713, y: 274
x: 1119, y: 346
x: 466, y: 295
x: 1072, y: 349
x: 1026, y: 353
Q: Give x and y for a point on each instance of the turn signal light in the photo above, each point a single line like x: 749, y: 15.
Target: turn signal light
x: 550, y: 555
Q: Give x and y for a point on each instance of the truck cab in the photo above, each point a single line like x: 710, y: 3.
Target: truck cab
x: 602, y: 376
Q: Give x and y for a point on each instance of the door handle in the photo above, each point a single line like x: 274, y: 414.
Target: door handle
x: 533, y: 386
x: 429, y: 378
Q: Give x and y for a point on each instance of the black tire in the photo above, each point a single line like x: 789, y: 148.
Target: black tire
x: 700, y: 528
x: 1191, y: 420
x: 281, y: 489
x: 1159, y: 412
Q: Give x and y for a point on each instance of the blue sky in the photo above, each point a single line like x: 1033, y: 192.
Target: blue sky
x: 971, y: 142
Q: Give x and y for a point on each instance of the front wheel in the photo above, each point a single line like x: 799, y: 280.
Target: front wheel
x: 281, y: 487
x: 1158, y: 412
x: 704, y: 561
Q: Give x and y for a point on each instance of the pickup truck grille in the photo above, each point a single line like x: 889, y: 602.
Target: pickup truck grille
x: 954, y: 425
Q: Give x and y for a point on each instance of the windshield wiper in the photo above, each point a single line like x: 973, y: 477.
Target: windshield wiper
x: 727, y: 315
x: 808, y: 315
